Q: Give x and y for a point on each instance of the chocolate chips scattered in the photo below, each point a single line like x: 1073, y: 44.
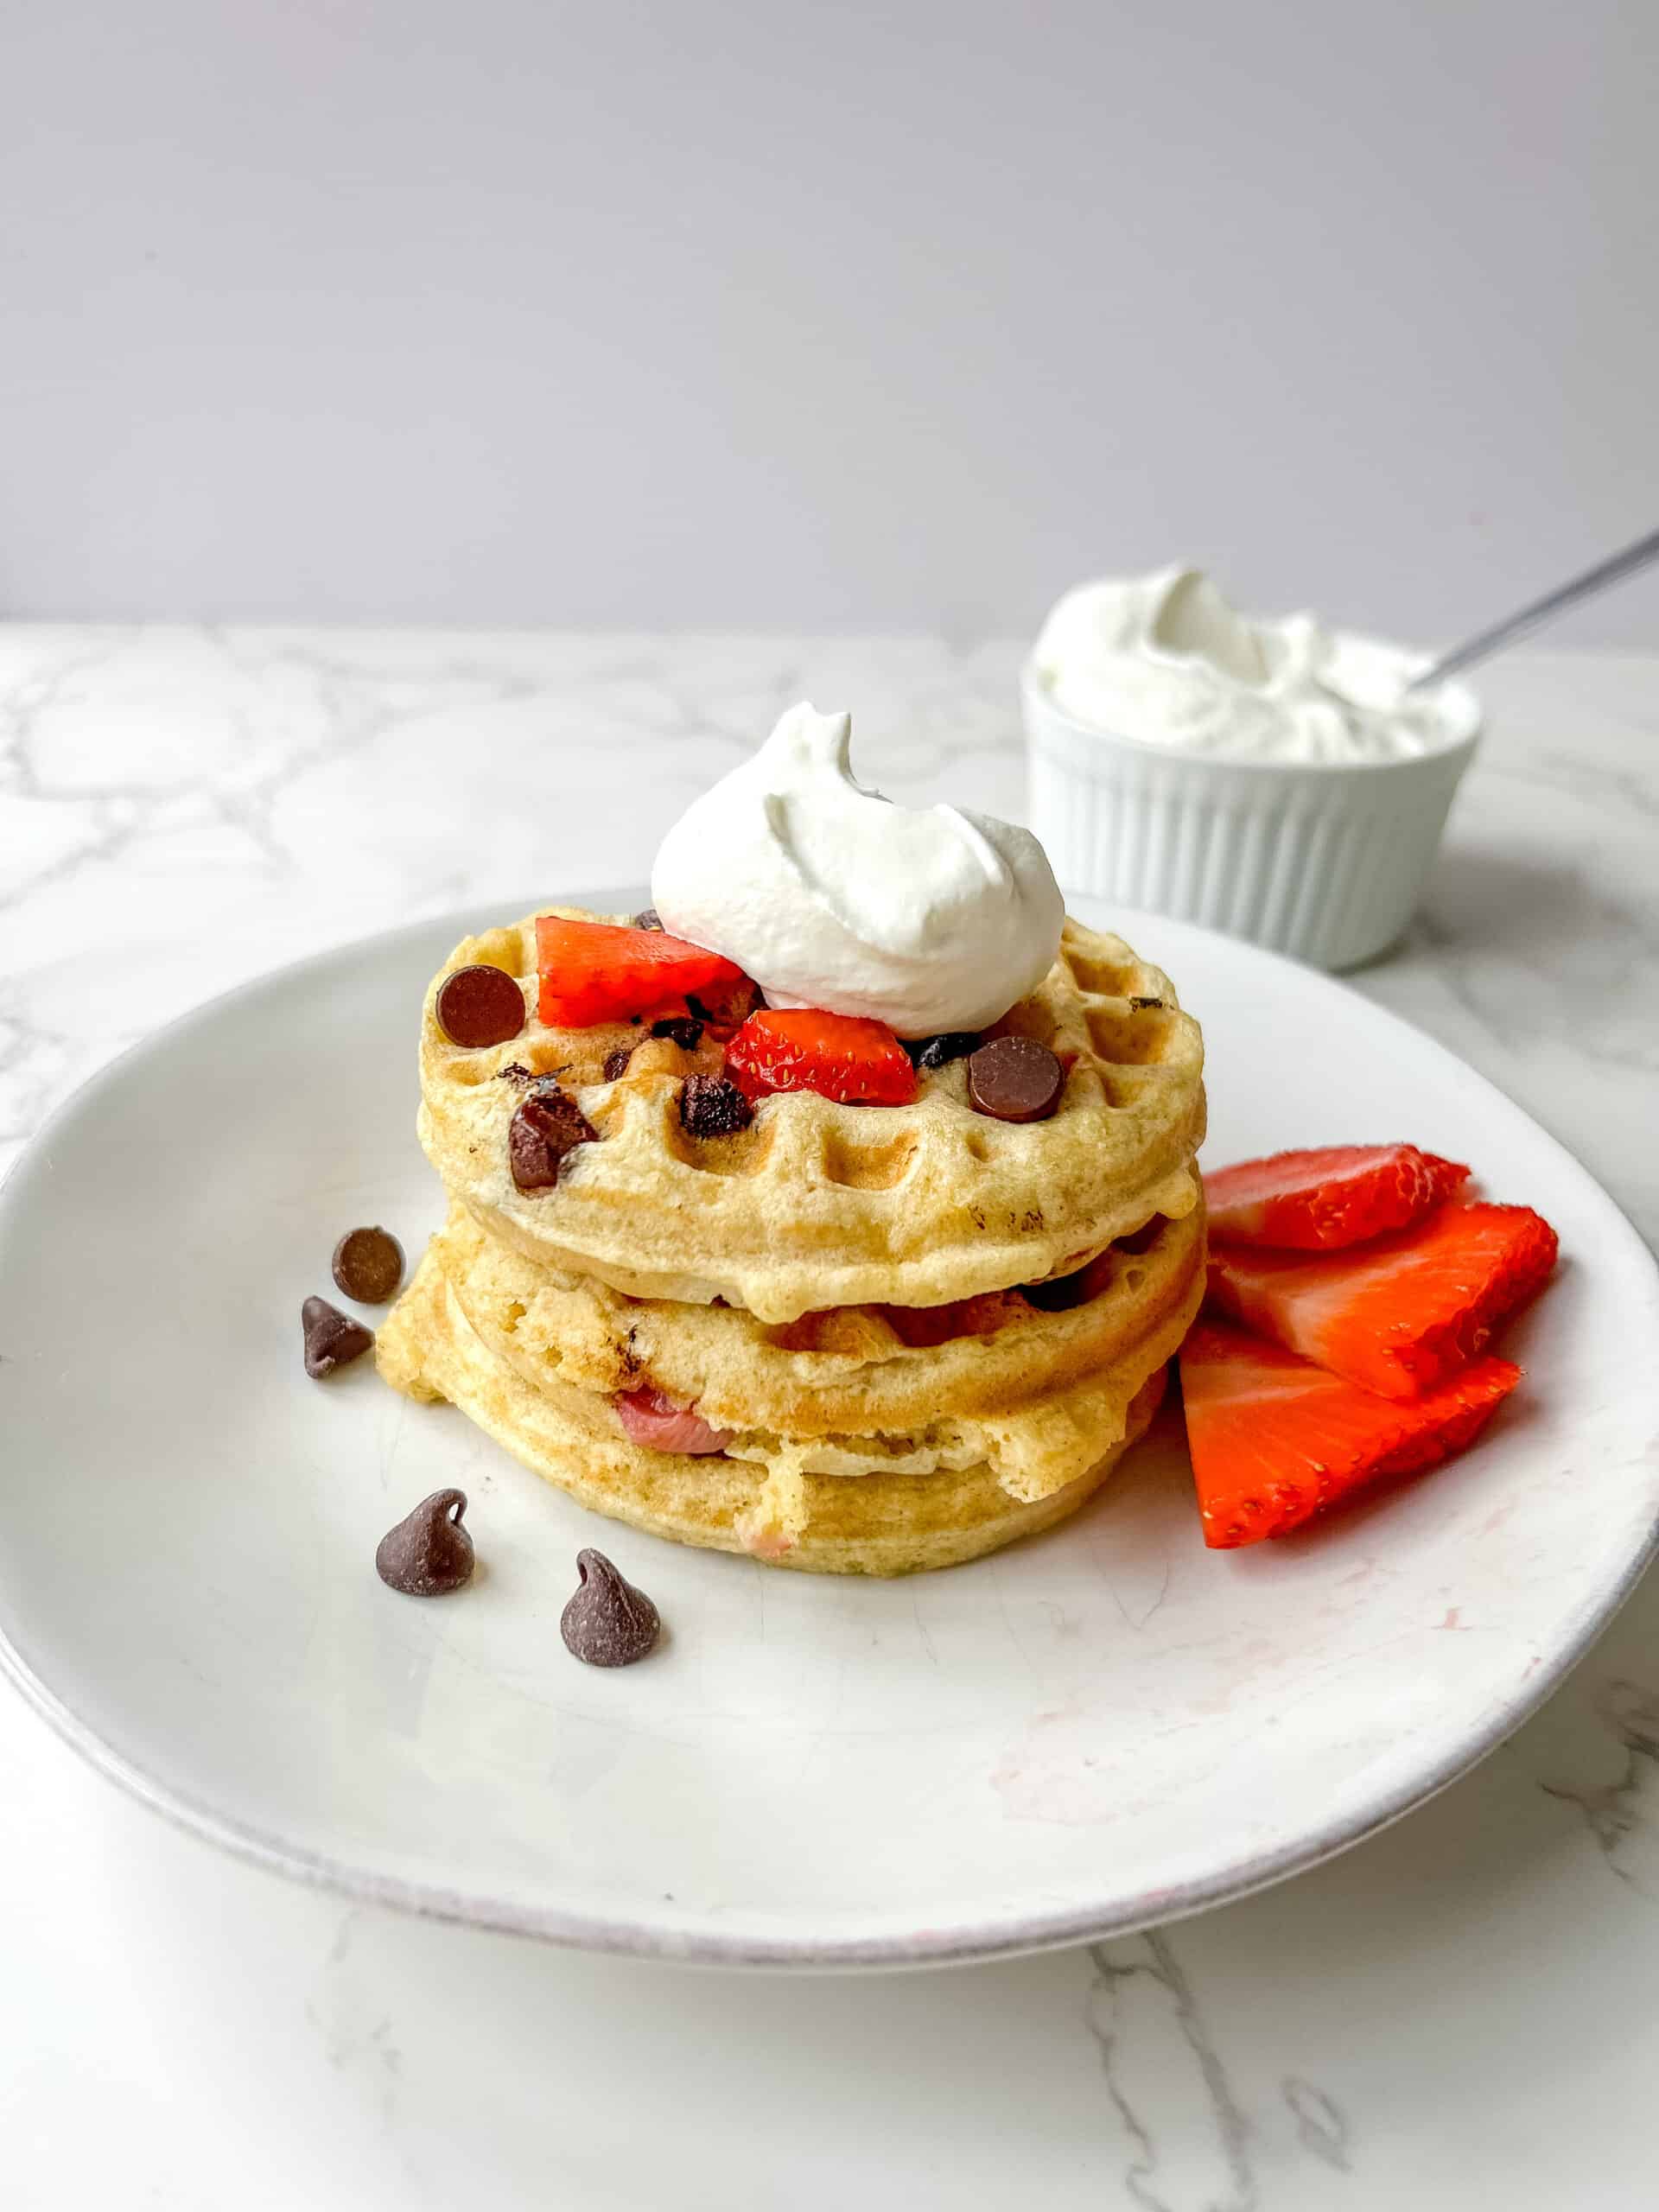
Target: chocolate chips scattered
x: 332, y: 1338
x: 429, y: 1553
x: 1015, y: 1079
x: 608, y: 1623
x: 547, y: 1126
x: 938, y: 1052
x: 682, y: 1029
x: 616, y: 1063
x: 648, y: 919
x: 368, y: 1265
x: 713, y: 1106
x: 479, y: 1005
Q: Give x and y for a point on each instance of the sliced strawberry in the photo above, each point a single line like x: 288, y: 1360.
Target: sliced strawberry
x: 1274, y: 1440
x: 837, y: 1055
x: 1316, y: 1201
x: 599, y: 971
x: 1401, y: 1314
x: 663, y: 1424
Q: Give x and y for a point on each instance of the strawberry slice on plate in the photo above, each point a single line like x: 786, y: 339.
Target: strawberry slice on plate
x: 1338, y: 1195
x: 602, y: 971
x: 1401, y: 1314
x: 1274, y: 1440
x: 663, y: 1424
x: 840, y: 1056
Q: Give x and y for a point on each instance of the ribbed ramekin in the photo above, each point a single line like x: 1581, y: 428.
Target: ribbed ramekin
x: 1324, y: 863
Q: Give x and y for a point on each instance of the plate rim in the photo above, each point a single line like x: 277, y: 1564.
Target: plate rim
x: 955, y: 1944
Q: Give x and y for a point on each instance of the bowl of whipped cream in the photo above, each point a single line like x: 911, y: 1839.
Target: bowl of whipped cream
x: 1275, y: 780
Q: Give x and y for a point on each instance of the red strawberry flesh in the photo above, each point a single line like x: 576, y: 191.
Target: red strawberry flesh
x: 1319, y: 1201
x: 597, y: 971
x: 837, y: 1055
x: 1401, y: 1314
x: 663, y: 1424
x: 1275, y: 1440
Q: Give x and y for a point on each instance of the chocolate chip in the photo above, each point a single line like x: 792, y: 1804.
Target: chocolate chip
x: 548, y: 1125
x: 616, y: 1063
x: 532, y: 1161
x: 1140, y: 1006
x: 681, y: 1029
x: 368, y: 1265
x: 608, y: 1623
x: 479, y: 1005
x: 648, y: 919
x: 429, y: 1553
x: 938, y: 1052
x: 332, y: 1338
x: 1015, y: 1079
x: 713, y: 1106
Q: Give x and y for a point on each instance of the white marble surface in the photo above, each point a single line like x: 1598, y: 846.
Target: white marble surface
x: 1468, y: 2003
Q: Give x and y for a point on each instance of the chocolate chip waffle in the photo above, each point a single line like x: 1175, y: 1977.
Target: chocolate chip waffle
x: 816, y: 1204
x: 1035, y: 1393
x: 904, y: 1335
x: 882, y: 1524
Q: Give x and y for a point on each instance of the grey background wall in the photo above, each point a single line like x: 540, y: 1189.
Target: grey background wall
x: 728, y: 313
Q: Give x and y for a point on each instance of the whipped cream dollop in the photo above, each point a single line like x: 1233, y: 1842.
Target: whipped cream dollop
x: 928, y: 918
x: 1163, y: 660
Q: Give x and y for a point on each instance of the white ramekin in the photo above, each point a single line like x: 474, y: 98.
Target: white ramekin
x: 1324, y: 863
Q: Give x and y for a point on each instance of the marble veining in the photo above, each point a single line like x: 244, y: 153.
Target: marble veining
x: 1161, y: 2062
x: 1619, y: 1813
x: 1191, y: 2144
x: 1467, y: 2004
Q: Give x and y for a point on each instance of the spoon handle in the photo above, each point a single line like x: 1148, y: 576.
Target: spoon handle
x: 1542, y: 610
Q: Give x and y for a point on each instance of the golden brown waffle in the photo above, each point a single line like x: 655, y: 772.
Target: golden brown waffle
x: 1035, y: 1395
x: 819, y: 1205
x: 875, y: 1524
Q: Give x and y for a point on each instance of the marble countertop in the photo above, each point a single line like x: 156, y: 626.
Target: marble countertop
x: 1468, y: 2002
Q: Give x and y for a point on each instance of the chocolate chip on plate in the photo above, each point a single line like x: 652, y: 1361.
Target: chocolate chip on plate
x: 682, y: 1029
x: 616, y: 1063
x: 713, y: 1106
x: 1015, y: 1079
x: 332, y: 1338
x: 479, y: 1005
x: 648, y: 919
x: 544, y: 1128
x: 938, y: 1052
x: 608, y: 1623
x: 368, y: 1265
x: 429, y: 1553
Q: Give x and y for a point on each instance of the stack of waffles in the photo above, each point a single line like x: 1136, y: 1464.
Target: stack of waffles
x: 916, y: 1332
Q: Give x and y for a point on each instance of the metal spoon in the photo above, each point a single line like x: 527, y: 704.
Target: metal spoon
x: 1487, y: 642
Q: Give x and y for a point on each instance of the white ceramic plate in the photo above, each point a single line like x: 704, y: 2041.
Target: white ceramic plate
x: 1103, y: 1727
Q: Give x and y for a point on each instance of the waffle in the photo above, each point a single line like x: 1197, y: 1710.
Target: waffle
x: 1035, y: 1395
x: 877, y: 1524
x: 819, y: 1205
